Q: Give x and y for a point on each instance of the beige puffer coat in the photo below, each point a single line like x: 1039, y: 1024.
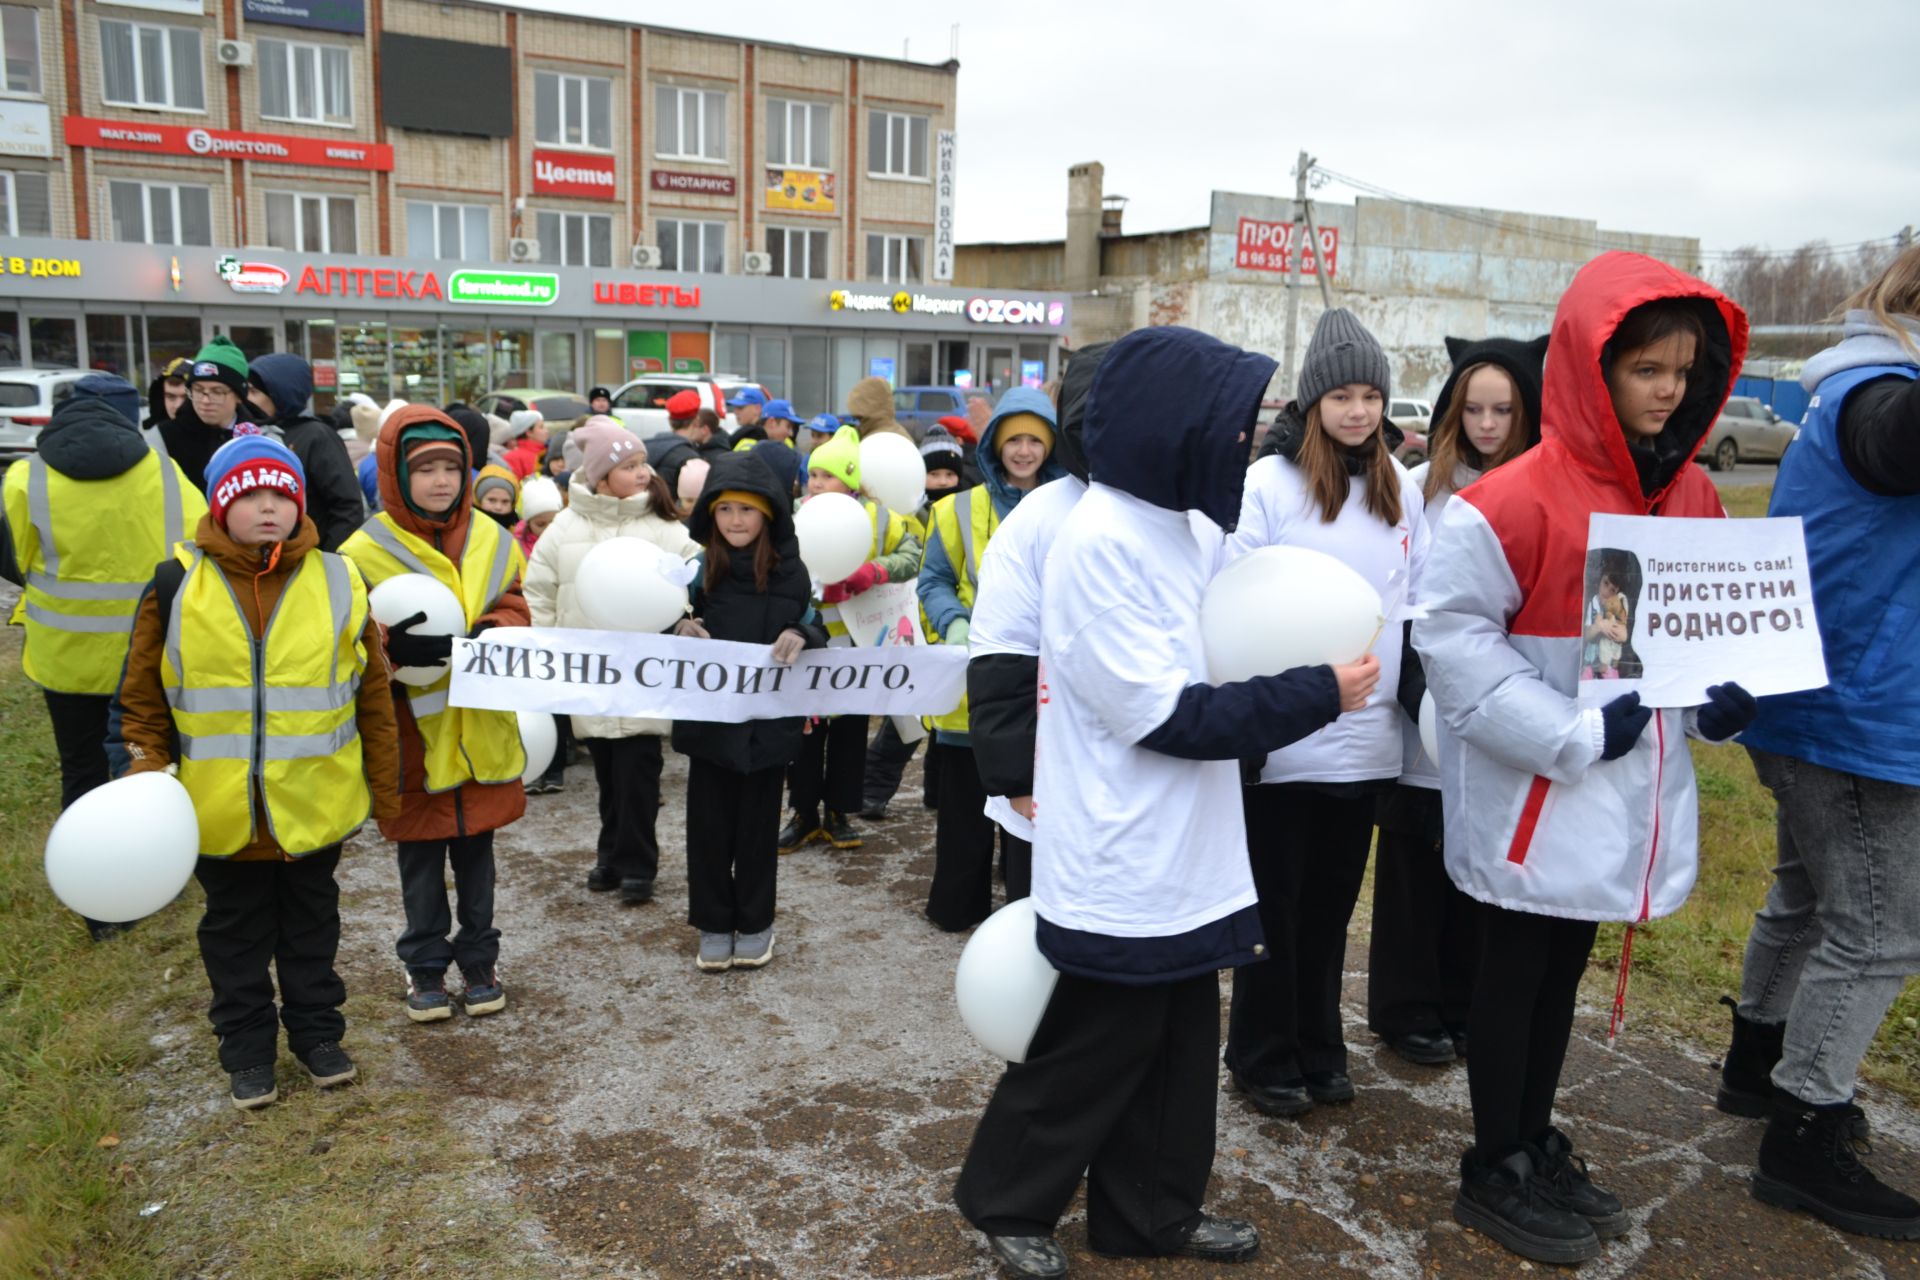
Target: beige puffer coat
x: 589, y: 519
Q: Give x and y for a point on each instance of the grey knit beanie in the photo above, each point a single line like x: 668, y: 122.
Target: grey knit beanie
x: 1342, y: 351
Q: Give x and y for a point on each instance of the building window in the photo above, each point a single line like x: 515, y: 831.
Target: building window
x: 572, y: 111
x: 799, y: 135
x: 459, y: 231
x: 143, y: 66
x: 693, y: 246
x: 689, y: 124
x: 311, y: 83
x: 160, y: 213
x: 895, y: 259
x: 24, y: 209
x: 21, y: 28
x: 575, y: 239
x: 896, y: 145
x: 798, y: 254
x: 311, y: 224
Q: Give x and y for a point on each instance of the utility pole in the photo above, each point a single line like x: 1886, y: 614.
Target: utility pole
x: 1301, y: 172
x: 1319, y: 266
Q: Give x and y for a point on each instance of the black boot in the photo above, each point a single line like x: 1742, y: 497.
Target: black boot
x: 1810, y: 1159
x: 1567, y: 1174
x: 1746, y: 1077
x: 1509, y: 1202
x: 841, y: 833
x: 800, y: 828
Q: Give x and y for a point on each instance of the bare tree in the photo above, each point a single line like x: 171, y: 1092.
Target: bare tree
x: 1803, y: 286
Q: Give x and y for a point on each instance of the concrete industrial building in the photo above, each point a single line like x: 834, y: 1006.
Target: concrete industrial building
x: 1413, y: 273
x: 157, y: 152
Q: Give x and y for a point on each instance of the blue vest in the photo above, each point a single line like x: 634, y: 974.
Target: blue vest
x: 1864, y: 553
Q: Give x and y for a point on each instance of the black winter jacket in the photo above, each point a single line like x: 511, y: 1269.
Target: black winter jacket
x: 334, y: 499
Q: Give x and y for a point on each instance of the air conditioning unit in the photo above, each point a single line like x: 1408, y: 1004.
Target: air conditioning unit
x: 757, y: 264
x: 646, y: 257
x: 233, y: 53
x: 522, y: 249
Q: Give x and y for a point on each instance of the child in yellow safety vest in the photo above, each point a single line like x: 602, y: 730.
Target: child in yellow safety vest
x: 460, y: 767
x: 832, y: 762
x: 255, y: 671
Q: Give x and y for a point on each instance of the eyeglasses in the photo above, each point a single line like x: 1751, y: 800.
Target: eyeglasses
x: 211, y: 391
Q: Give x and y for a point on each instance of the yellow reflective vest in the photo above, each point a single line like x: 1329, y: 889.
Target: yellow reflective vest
x: 964, y: 523
x: 273, y: 716
x: 87, y: 549
x: 461, y: 744
x: 889, y: 531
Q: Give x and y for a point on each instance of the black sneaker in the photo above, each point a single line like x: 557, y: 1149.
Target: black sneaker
x: 484, y: 994
x: 1425, y: 1048
x: 633, y: 893
x: 1029, y: 1257
x: 427, y: 996
x: 874, y: 810
x: 1746, y: 1076
x: 1509, y: 1203
x: 1289, y: 1098
x: 841, y: 833
x: 1810, y: 1159
x: 1221, y: 1240
x: 252, y: 1087
x: 800, y: 829
x: 328, y: 1064
x: 1573, y: 1188
x: 1330, y: 1086
x: 601, y: 880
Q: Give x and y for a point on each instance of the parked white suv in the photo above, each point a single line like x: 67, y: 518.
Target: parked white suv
x: 27, y: 400
x: 642, y: 403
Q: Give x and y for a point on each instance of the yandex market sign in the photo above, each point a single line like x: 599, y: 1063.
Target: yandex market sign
x: 223, y: 144
x: 570, y: 173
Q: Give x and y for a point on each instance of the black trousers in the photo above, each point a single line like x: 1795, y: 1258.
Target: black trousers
x: 1426, y: 933
x: 562, y: 749
x: 831, y: 767
x: 80, y: 739
x: 286, y: 913
x: 962, y: 891
x: 1530, y: 967
x: 887, y: 758
x: 733, y: 849
x: 1309, y: 854
x: 628, y: 773
x: 1119, y: 1085
x: 1016, y: 866
x: 423, y: 890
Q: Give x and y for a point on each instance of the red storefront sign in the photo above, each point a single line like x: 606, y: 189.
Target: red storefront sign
x: 364, y: 282
x: 621, y: 294
x: 224, y: 144
x: 569, y: 173
x: 1268, y: 246
x: 693, y: 184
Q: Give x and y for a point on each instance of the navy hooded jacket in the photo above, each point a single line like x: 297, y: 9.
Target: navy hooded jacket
x: 333, y: 494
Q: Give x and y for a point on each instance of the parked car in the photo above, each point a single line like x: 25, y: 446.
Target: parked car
x: 1413, y: 448
x: 27, y: 400
x: 1746, y: 431
x: 918, y: 408
x: 642, y: 403
x: 1411, y: 415
x: 554, y: 406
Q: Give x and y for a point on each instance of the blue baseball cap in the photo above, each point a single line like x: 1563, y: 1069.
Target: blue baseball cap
x: 783, y: 410
x: 747, y: 396
x: 824, y: 423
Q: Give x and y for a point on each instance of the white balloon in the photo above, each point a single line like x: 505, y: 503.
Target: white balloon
x: 624, y: 584
x: 538, y: 738
x: 1429, y: 727
x: 1003, y: 982
x: 835, y: 535
x: 405, y: 594
x: 892, y: 470
x: 126, y: 849
x: 1278, y: 608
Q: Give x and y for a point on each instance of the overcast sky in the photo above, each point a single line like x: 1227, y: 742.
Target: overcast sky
x: 1766, y: 122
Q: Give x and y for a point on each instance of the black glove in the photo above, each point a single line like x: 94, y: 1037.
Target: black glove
x: 478, y: 627
x: 1729, y: 709
x: 1625, y: 720
x: 410, y: 650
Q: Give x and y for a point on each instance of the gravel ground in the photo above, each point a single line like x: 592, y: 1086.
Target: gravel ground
x: 807, y: 1119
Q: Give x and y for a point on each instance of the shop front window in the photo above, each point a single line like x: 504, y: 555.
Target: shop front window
x: 9, y: 339
x: 363, y: 360
x: 468, y: 372
x: 111, y: 345
x: 416, y: 365
x: 849, y: 366
x: 732, y: 353
x: 609, y: 357
x: 53, y: 341
x: 810, y: 391
x: 512, y: 359
x: 770, y: 365
x: 919, y: 366
x: 1033, y: 364
x: 883, y: 360
x: 170, y: 338
x: 317, y: 341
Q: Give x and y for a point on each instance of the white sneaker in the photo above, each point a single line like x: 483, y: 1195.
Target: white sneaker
x: 751, y: 950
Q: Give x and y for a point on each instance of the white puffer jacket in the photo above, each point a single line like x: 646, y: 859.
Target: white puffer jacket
x: 589, y: 519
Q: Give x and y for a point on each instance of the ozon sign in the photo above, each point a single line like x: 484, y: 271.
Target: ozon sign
x: 1016, y: 311
x: 568, y: 173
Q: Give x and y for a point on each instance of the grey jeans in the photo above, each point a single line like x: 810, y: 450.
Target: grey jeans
x: 1841, y: 927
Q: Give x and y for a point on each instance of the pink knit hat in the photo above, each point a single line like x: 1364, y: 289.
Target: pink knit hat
x: 604, y: 445
x: 693, y: 478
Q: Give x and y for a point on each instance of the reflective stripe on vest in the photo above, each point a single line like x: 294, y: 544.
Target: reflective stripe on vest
x: 288, y: 736
x: 965, y: 523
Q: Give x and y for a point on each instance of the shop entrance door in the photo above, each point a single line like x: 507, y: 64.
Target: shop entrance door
x: 994, y: 367
x: 254, y: 337
x: 558, y: 362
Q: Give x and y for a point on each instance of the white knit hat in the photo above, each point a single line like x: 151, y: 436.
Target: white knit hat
x: 538, y: 496
x: 523, y: 421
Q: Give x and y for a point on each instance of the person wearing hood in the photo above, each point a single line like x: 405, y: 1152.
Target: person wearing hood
x: 1559, y: 815
x: 460, y: 766
x: 256, y: 636
x: 751, y: 589
x: 88, y: 515
x: 1140, y: 877
x: 278, y: 389
x: 1326, y: 482
x: 1424, y: 944
x: 496, y: 494
x: 167, y: 393
x: 216, y: 393
x: 870, y: 403
x: 1016, y: 458
x: 784, y: 461
x: 1840, y: 930
x: 615, y: 495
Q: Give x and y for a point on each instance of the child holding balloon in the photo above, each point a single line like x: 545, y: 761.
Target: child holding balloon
x: 237, y: 641
x: 615, y: 494
x: 832, y: 764
x: 752, y: 589
x: 461, y: 767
